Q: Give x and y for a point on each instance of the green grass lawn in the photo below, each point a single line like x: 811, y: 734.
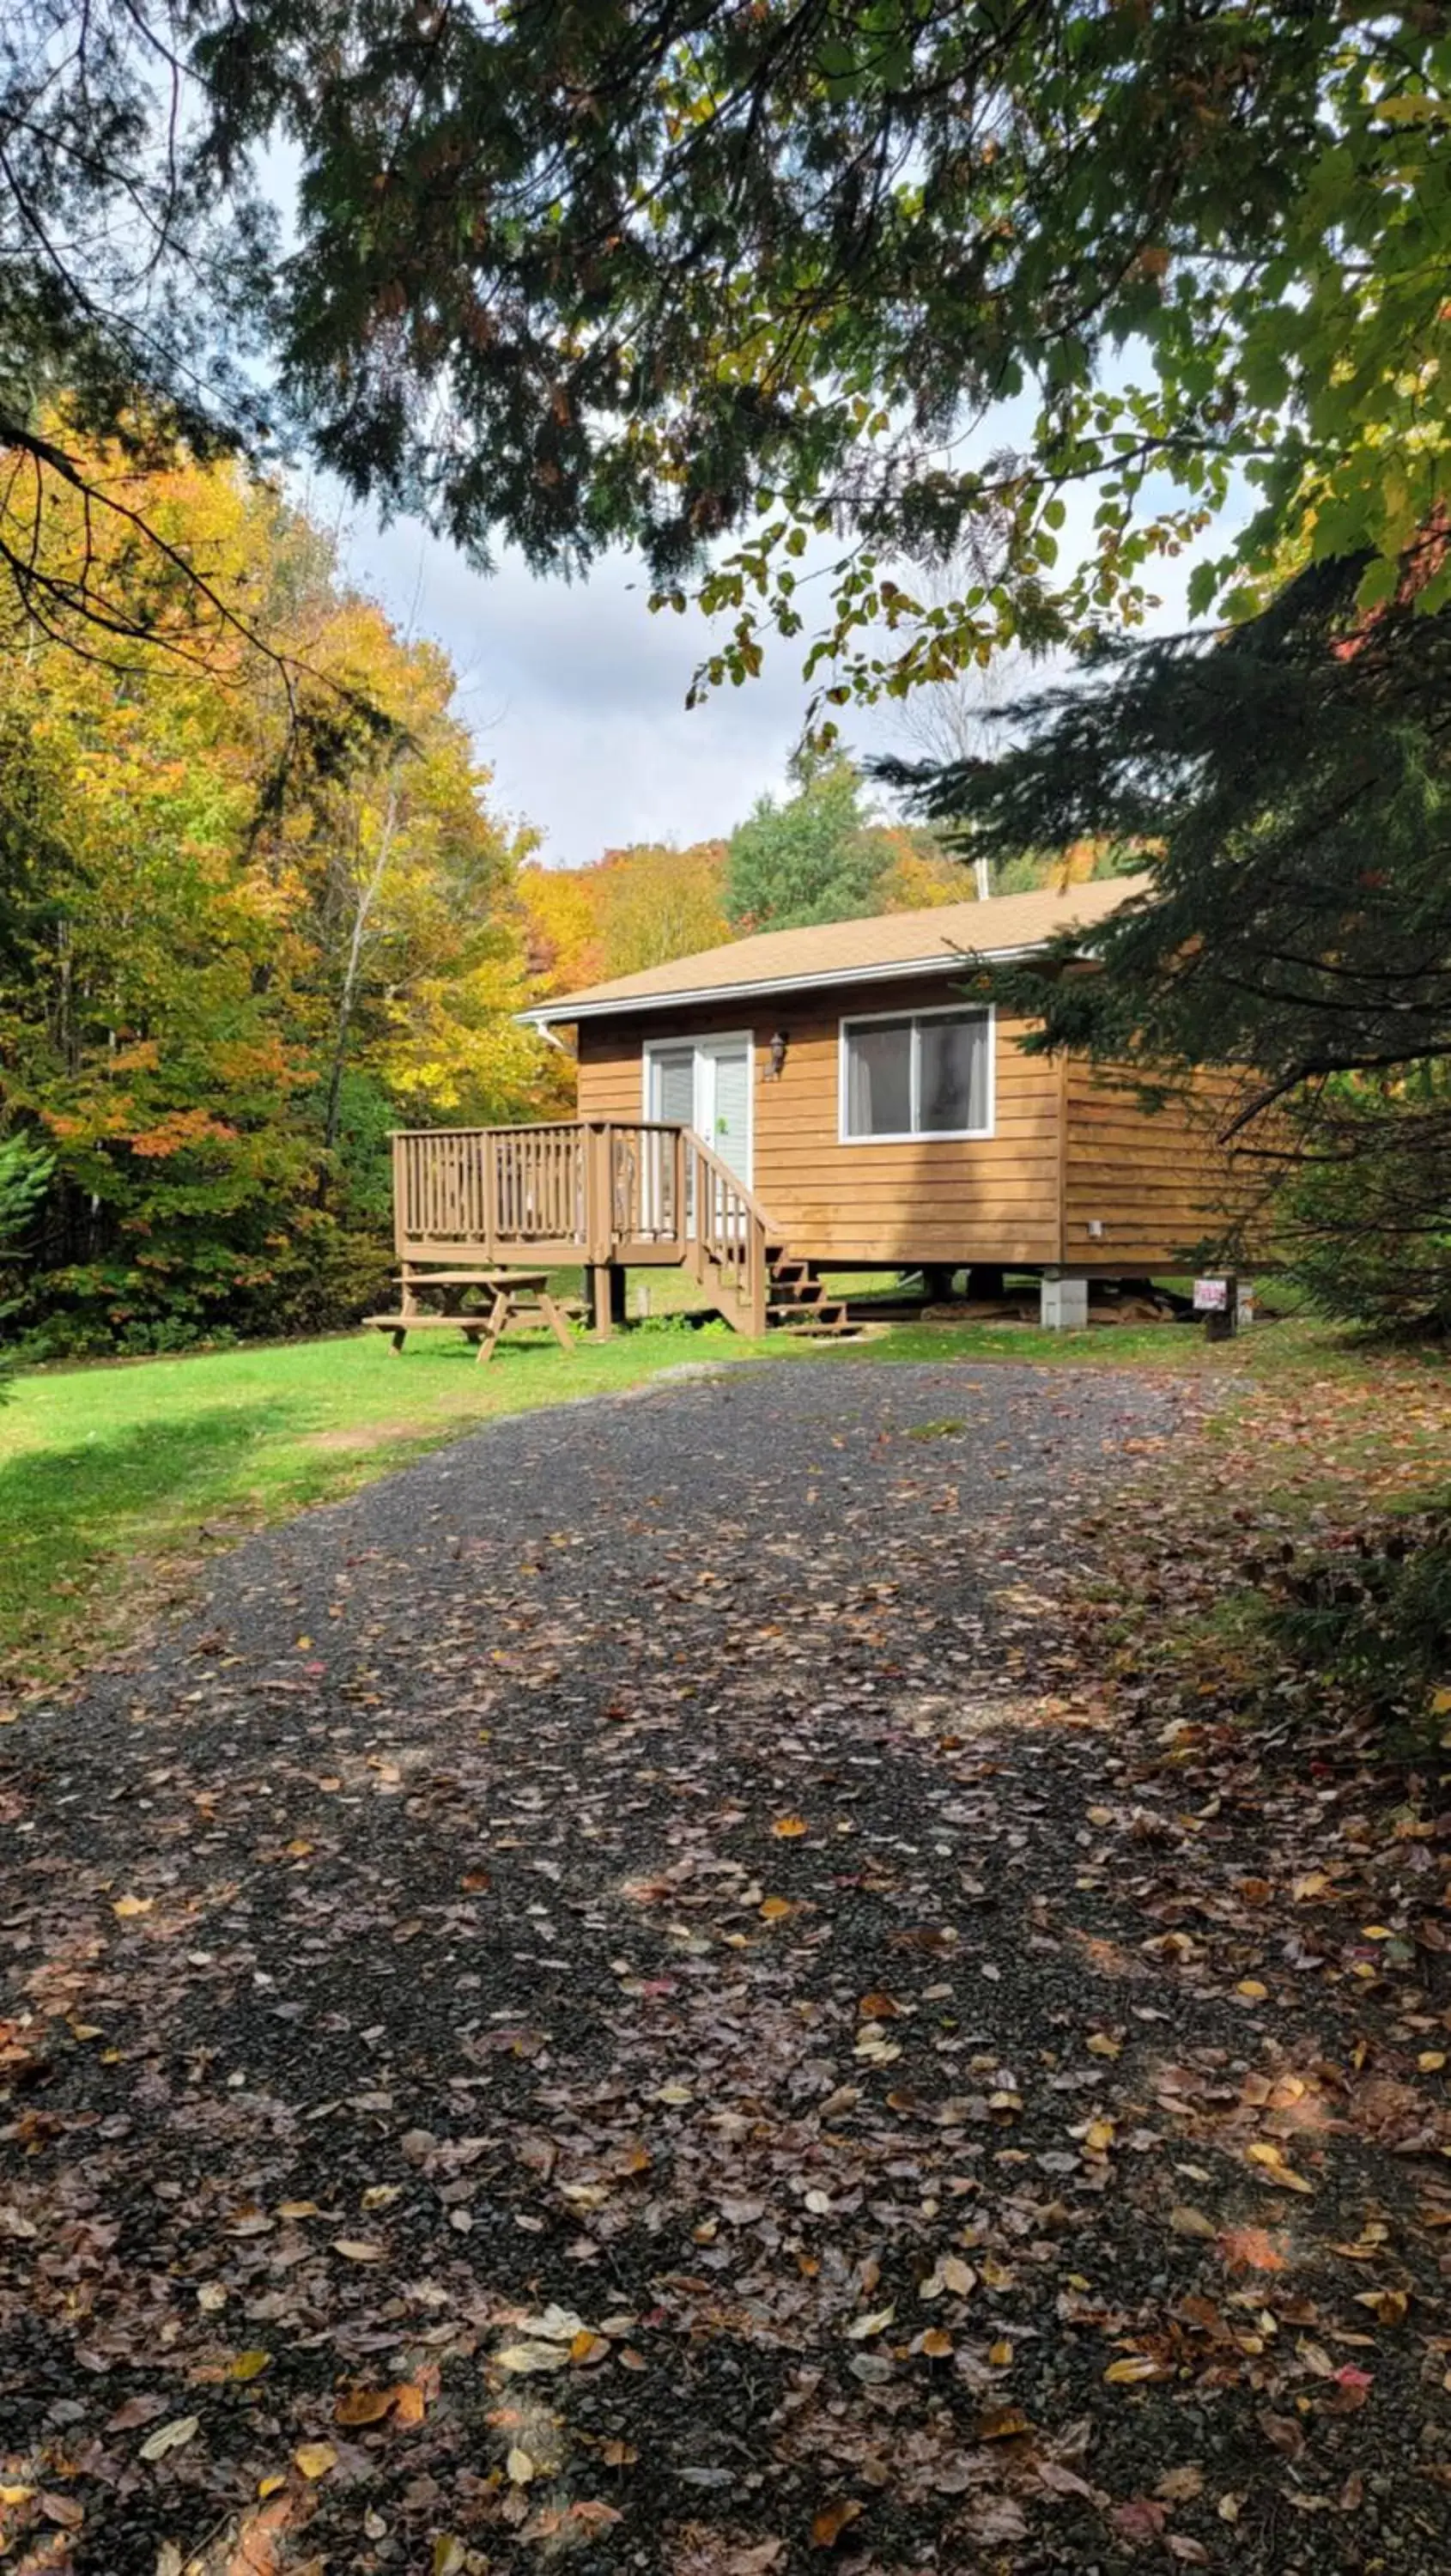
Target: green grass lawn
x: 117, y: 1479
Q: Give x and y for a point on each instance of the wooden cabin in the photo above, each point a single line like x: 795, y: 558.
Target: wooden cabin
x: 829, y: 1098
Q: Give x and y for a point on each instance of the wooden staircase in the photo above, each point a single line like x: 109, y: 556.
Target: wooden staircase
x: 796, y: 1302
x: 733, y: 1252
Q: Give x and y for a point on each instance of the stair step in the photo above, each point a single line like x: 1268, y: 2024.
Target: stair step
x: 828, y: 1318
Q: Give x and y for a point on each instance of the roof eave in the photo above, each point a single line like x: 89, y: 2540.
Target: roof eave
x: 549, y: 1014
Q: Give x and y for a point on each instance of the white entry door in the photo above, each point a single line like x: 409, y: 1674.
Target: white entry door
x: 723, y: 1101
x: 705, y: 1083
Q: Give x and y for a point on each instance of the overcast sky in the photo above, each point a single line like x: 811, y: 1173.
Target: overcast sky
x: 576, y: 694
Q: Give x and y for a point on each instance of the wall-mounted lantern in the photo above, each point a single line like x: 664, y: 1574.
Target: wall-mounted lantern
x: 780, y: 1041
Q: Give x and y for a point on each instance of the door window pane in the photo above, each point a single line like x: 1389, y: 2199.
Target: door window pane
x: 952, y: 1074
x: 674, y: 1086
x: 879, y: 1079
x: 732, y: 1118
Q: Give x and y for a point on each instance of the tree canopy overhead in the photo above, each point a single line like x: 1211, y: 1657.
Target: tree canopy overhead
x: 670, y: 270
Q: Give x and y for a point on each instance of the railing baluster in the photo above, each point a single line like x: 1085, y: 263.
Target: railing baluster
x: 599, y: 1187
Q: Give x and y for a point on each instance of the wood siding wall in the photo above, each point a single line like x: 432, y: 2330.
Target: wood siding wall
x: 1155, y: 1181
x: 990, y: 1199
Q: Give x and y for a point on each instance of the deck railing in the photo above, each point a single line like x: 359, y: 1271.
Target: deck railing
x: 595, y: 1189
x: 588, y: 1190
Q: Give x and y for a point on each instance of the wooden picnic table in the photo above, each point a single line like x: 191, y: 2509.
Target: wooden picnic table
x: 518, y: 1297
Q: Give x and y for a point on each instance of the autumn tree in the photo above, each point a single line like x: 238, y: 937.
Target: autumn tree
x: 634, y: 907
x: 238, y: 939
x: 658, y: 902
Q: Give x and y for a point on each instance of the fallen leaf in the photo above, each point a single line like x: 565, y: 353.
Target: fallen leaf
x: 1063, y: 2481
x: 1186, y: 2221
x: 170, y: 2437
x: 63, y: 2511
x: 1251, y: 2249
x: 998, y: 2521
x: 364, y: 2405
x: 1282, y: 2433
x: 533, y: 2355
x: 831, y: 2520
x: 314, y: 2459
x: 1134, y: 2367
x: 1181, y: 2486
x: 1142, y: 2518
x: 519, y: 2467
x: 1388, y: 2307
x: 359, y: 2249
x: 862, y: 2327
x: 1002, y: 2424
x: 128, y: 1907
x: 1270, y: 2162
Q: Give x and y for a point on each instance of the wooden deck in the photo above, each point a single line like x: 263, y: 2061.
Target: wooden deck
x: 608, y: 1194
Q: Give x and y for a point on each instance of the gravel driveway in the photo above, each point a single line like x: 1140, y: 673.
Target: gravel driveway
x: 585, y: 2004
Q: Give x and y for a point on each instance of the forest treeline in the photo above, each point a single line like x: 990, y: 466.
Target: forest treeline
x: 256, y: 906
x: 259, y: 905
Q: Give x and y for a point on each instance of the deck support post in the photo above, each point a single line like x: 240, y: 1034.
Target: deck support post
x: 1063, y: 1303
x: 605, y: 1292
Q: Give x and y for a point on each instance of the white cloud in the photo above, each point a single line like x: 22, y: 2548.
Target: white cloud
x: 576, y: 694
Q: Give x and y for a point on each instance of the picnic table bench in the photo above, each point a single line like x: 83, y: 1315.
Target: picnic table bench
x: 515, y: 1297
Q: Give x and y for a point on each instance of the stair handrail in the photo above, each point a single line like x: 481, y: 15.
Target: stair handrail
x: 731, y: 1227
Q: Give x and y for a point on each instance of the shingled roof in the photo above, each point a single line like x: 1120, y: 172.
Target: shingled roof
x: 851, y: 952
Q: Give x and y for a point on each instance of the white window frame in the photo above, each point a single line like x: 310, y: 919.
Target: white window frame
x: 717, y: 1041
x: 917, y: 1135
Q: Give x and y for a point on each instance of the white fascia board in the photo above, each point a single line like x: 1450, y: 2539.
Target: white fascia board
x: 629, y: 1003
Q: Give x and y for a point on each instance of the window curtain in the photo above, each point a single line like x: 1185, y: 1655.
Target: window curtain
x: 879, y: 1079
